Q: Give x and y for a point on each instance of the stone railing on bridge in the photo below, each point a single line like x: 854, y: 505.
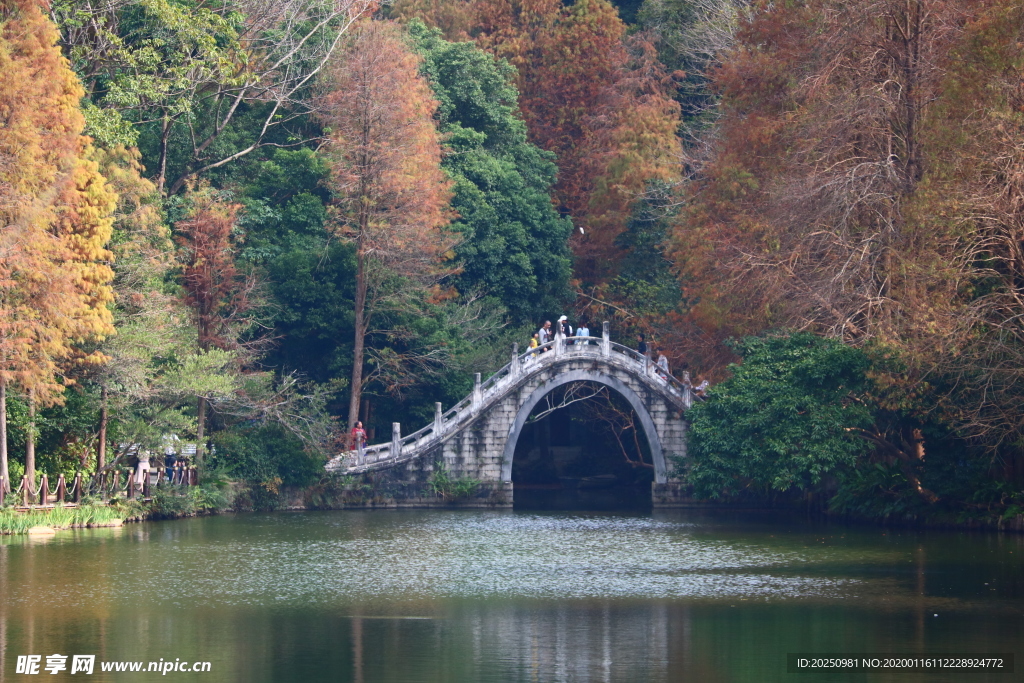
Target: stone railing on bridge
x: 522, y: 365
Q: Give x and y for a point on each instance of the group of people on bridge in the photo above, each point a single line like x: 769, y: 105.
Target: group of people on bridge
x: 546, y: 334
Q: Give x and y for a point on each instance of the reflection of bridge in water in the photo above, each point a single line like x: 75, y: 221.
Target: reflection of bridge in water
x: 594, y: 640
x: 477, y: 437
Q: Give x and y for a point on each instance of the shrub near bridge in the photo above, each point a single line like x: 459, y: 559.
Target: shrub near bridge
x: 448, y: 488
x: 781, y: 422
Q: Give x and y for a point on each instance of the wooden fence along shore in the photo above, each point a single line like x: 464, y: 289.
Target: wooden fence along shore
x: 127, y: 483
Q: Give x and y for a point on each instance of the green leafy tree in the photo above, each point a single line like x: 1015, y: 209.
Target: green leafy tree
x: 198, y: 85
x: 784, y: 421
x: 313, y: 290
x: 513, y: 245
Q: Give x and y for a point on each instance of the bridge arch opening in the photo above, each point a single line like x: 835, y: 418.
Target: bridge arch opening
x: 583, y: 441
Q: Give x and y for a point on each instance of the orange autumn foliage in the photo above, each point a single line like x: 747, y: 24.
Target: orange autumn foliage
x: 391, y: 196
x: 805, y: 213
x: 55, y: 219
x: 55, y: 209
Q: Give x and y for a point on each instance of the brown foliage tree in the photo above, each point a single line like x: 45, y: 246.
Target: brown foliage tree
x: 974, y: 198
x: 391, y: 194
x: 802, y: 214
x: 222, y: 299
x: 55, y: 217
x: 864, y: 182
x: 598, y: 101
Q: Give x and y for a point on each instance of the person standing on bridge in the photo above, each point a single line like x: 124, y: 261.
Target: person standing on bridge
x: 663, y: 364
x: 641, y: 345
x: 358, y: 437
x: 583, y: 330
x: 544, y: 334
x: 563, y: 323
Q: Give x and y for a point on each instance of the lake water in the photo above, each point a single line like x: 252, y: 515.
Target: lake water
x: 506, y: 596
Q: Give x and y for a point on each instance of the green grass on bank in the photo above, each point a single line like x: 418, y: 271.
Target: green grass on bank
x: 167, y: 502
x: 14, y: 522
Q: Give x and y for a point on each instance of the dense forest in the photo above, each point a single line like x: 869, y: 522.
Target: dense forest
x: 252, y: 223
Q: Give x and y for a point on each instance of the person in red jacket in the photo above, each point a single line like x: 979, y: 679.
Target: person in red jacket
x: 358, y: 437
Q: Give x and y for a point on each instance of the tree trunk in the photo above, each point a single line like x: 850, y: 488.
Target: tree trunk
x: 165, y: 133
x: 199, y: 430
x: 101, y: 446
x: 30, y: 441
x: 360, y: 335
x: 4, y: 470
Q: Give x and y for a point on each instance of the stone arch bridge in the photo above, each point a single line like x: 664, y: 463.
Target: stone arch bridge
x: 477, y: 437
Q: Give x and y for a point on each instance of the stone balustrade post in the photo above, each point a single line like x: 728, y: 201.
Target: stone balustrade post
x: 477, y: 394
x: 515, y: 367
x: 438, y: 419
x: 396, y: 439
x: 606, y: 339
x: 559, y: 341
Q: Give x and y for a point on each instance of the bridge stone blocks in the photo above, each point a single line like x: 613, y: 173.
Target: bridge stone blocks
x: 477, y: 438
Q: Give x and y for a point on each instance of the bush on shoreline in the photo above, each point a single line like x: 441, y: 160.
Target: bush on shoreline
x: 179, y: 501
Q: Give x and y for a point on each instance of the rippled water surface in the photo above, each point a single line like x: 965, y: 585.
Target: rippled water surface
x: 504, y: 596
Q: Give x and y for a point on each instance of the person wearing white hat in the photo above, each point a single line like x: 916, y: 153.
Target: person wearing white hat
x: 563, y: 322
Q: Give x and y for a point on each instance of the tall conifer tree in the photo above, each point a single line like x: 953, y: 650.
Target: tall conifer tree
x: 385, y: 157
x: 55, y: 215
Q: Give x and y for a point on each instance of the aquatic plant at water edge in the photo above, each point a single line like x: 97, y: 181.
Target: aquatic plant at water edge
x: 448, y: 488
x: 13, y: 522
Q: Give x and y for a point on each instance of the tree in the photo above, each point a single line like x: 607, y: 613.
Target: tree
x: 512, y: 244
x: 972, y: 196
x: 207, y: 85
x: 637, y: 148
x: 222, y: 300
x: 692, y: 37
x: 143, y: 256
x: 860, y: 183
x: 783, y: 421
x: 385, y: 159
x: 455, y: 19
x: 596, y: 99
x: 802, y: 215
x: 645, y: 296
x: 55, y: 217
